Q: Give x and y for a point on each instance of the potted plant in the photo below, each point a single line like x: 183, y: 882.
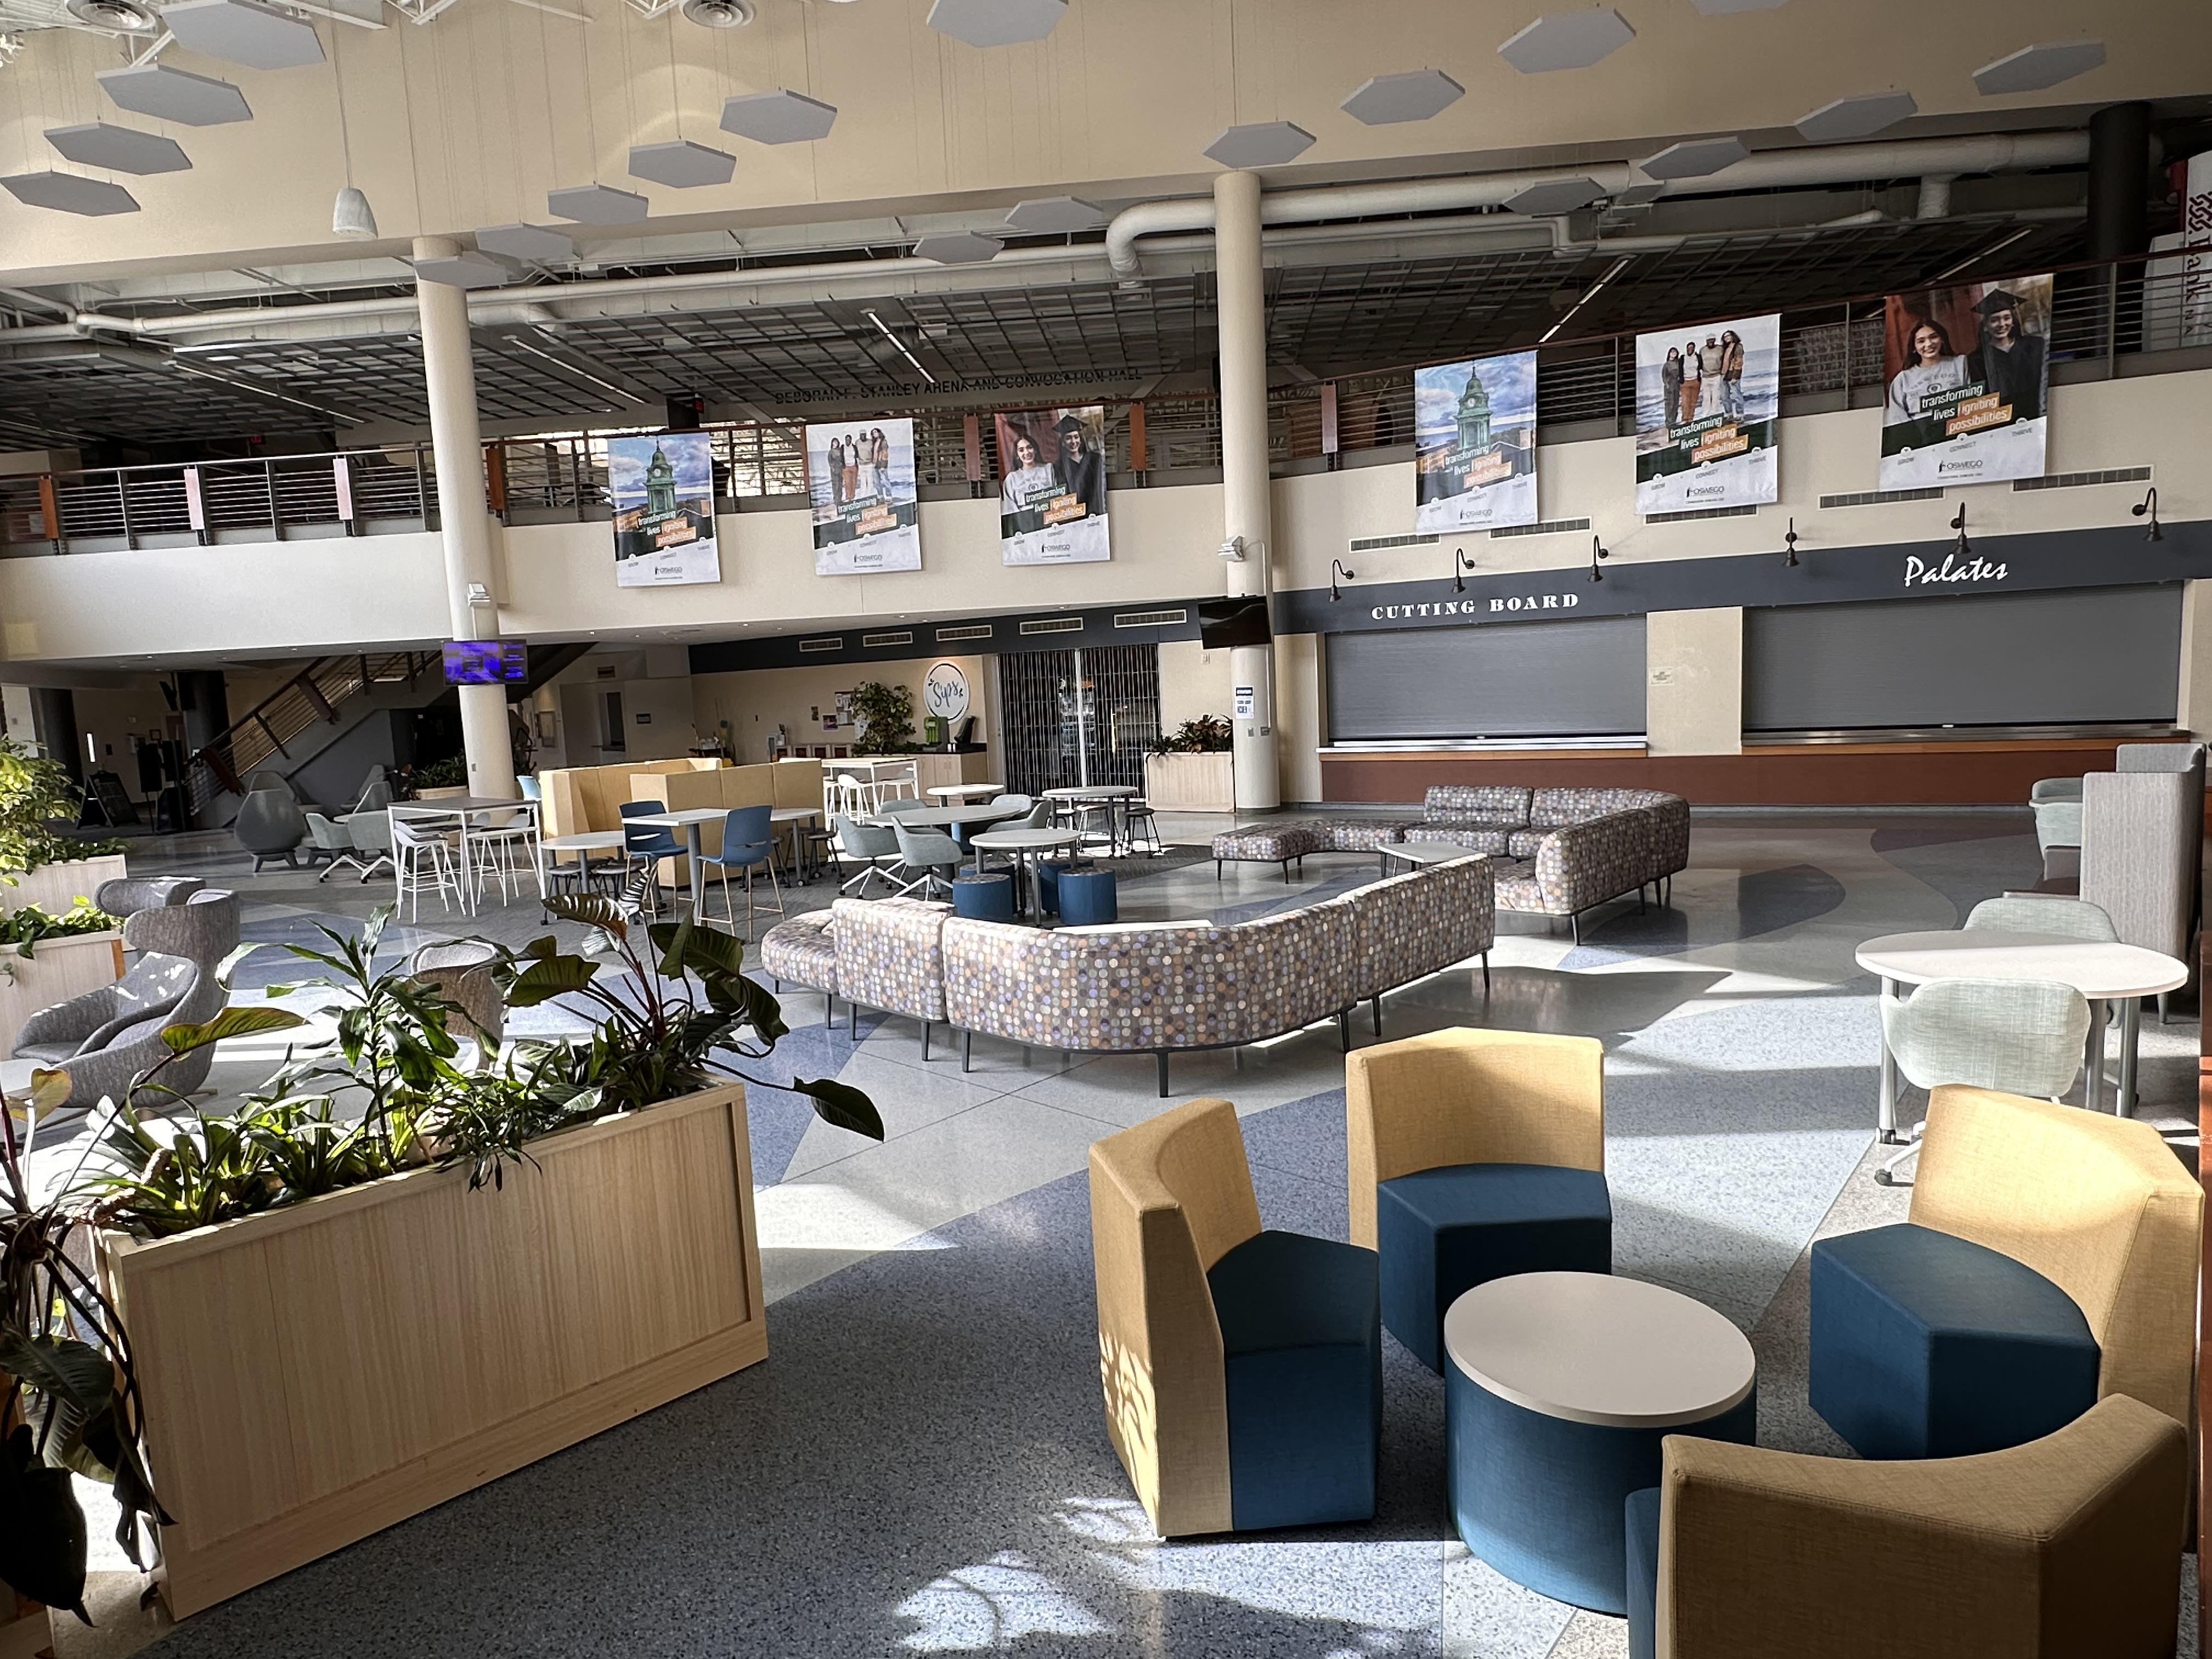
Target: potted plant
x: 885, y: 716
x: 40, y: 864
x: 453, y: 1273
x: 45, y: 959
x: 1189, y: 769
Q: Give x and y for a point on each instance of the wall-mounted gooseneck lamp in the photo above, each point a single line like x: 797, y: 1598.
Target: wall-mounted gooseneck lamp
x: 2149, y: 504
x: 1789, y: 559
x: 1959, y: 524
x: 1337, y: 567
x: 1598, y: 550
x: 1460, y: 565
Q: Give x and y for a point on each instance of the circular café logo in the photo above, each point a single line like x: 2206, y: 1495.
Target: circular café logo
x: 945, y: 691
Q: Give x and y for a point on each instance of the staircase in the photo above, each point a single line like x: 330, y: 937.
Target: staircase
x: 288, y: 725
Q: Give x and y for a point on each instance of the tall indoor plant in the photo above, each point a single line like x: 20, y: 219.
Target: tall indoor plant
x: 35, y: 792
x: 884, y: 714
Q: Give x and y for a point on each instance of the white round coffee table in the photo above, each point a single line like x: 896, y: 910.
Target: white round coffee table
x: 2100, y: 970
x: 1025, y: 844
x: 1559, y: 1389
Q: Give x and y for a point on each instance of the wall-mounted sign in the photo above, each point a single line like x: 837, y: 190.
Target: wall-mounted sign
x: 663, y: 494
x: 1706, y: 403
x: 859, y: 483
x: 1966, y: 372
x: 1246, y: 702
x: 1052, y: 501
x: 945, y: 691
x: 1474, y: 444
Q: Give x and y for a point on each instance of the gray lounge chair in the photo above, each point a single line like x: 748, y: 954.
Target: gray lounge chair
x: 270, y: 825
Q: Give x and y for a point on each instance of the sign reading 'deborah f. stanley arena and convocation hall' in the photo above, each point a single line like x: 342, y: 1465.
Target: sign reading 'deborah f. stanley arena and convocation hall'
x: 663, y: 494
x: 1707, y: 397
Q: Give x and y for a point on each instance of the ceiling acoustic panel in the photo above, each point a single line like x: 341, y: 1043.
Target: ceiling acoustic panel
x: 174, y: 94
x: 959, y: 247
x: 1861, y: 117
x: 2032, y: 68
x: 1055, y: 215
x: 1695, y: 158
x: 1260, y: 145
x: 531, y: 244
x: 781, y: 117
x: 682, y: 165
x: 1567, y: 41
x: 117, y: 150
x: 1555, y: 196
x: 71, y: 192
x: 242, y: 32
x: 464, y: 269
x: 1389, y: 98
x: 597, y: 204
x: 996, y: 23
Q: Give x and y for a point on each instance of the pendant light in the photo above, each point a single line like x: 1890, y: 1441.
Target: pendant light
x: 351, y: 216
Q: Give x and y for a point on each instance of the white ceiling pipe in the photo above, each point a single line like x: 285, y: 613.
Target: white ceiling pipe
x: 1831, y: 164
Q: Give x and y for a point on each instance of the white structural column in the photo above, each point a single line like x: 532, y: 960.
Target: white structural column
x: 465, y: 519
x: 1241, y: 303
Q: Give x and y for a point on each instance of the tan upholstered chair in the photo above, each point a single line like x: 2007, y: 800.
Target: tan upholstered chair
x: 2062, y: 1548
x: 1169, y: 1199
x: 1467, y: 1096
x: 2098, y: 1206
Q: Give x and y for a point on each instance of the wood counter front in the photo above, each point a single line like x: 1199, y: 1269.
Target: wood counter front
x: 1966, y: 773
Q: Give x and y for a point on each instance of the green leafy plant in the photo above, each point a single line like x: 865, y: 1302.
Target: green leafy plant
x: 451, y: 773
x: 34, y: 793
x: 1209, y: 734
x: 657, y: 1037
x: 884, y: 714
x: 22, y: 930
x: 72, y: 1403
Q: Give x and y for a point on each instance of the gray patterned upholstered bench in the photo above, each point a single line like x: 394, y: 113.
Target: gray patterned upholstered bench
x: 1287, y: 843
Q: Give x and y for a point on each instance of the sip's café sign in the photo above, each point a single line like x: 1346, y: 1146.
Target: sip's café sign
x: 1934, y: 569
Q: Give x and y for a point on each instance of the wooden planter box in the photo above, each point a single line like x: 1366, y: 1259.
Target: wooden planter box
x: 56, y: 970
x: 1190, y: 783
x: 55, y: 887
x: 317, y: 1373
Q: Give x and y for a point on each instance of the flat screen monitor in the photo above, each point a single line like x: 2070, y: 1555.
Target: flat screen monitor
x: 1224, y: 624
x: 486, y: 662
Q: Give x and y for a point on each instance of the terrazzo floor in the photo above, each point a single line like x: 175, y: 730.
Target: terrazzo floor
x: 921, y: 1465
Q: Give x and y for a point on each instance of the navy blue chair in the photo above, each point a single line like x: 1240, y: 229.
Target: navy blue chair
x: 646, y: 844
x: 1048, y: 872
x: 1088, y: 898
x: 1473, y: 1155
x: 1242, y: 1369
x: 748, y: 844
x: 984, y: 898
x: 2048, y: 1261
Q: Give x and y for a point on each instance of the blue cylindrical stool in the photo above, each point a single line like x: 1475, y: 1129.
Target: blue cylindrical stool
x: 1088, y: 897
x: 1048, y: 872
x: 984, y: 898
x: 1558, y: 1390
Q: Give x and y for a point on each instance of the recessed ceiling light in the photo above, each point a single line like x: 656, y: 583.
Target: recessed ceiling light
x: 2032, y: 68
x: 1860, y: 117
x: 1389, y: 98
x: 1567, y: 41
x: 1694, y: 158
x: 719, y: 14
x: 1260, y: 145
x: 781, y: 117
x: 124, y: 17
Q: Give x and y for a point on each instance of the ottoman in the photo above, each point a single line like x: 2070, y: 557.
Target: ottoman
x: 1441, y: 1232
x: 1926, y: 1345
x: 984, y: 898
x: 803, y: 951
x: 1561, y: 1387
x: 1270, y: 843
x: 1088, y: 898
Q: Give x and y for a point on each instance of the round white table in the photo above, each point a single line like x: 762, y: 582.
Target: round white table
x: 1564, y: 1384
x: 945, y: 817
x: 1025, y: 844
x: 2100, y: 970
x: 583, y: 845
x: 967, y: 791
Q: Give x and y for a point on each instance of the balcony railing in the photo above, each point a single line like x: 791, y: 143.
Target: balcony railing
x: 2101, y: 314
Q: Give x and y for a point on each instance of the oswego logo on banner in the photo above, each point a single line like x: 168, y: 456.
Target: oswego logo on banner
x: 663, y: 494
x: 1965, y: 374
x: 1706, y: 399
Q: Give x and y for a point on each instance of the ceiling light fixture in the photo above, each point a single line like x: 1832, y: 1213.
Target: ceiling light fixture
x: 870, y: 313
x: 1589, y: 294
x: 123, y: 16
x: 2149, y: 504
x: 1598, y: 550
x: 351, y: 215
x: 1337, y: 567
x: 1790, y: 546
x: 719, y: 14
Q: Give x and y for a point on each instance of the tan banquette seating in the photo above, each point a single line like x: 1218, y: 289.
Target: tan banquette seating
x: 2062, y: 1548
x: 581, y: 798
x: 1468, y: 1095
x: 1169, y: 1199
x: 2098, y: 1206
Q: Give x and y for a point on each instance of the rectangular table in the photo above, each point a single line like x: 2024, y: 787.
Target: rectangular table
x: 465, y: 810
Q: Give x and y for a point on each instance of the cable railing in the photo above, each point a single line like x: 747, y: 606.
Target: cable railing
x: 1585, y: 387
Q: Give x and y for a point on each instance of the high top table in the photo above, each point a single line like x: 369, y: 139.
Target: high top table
x: 2100, y: 970
x: 463, y: 810
x: 1114, y: 797
x: 688, y: 820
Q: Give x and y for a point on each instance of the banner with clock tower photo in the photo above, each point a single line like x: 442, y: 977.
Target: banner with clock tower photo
x: 1474, y: 444
x: 663, y: 494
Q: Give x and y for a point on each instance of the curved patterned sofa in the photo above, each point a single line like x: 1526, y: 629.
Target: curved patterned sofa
x: 1148, y: 986
x: 1575, y: 848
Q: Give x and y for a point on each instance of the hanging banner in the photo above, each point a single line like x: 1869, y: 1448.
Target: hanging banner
x: 2177, y: 307
x: 1474, y: 444
x: 1052, y: 503
x: 1706, y: 403
x: 663, y: 494
x: 1966, y: 372
x: 860, y: 481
